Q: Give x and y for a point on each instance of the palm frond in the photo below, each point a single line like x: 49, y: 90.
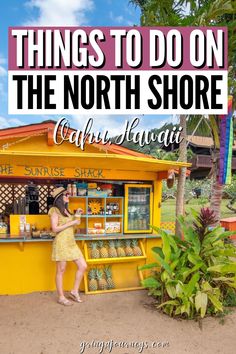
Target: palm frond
x: 203, y: 128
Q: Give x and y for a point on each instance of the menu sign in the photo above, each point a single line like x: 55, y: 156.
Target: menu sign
x: 46, y: 171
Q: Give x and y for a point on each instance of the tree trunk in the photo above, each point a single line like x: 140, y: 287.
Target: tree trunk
x: 182, y: 176
x: 216, y: 188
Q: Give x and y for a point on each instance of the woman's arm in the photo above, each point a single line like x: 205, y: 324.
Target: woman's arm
x: 56, y: 228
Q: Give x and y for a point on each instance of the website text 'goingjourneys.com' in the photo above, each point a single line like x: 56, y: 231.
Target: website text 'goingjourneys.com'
x: 112, y: 346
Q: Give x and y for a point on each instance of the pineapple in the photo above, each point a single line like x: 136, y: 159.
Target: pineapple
x: 103, y: 249
x: 128, y: 250
x: 94, y: 251
x: 136, y: 249
x: 111, y: 250
x: 93, y: 285
x: 120, y: 249
x: 102, y: 283
x: 110, y: 282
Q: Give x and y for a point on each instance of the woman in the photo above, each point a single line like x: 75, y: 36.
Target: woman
x: 64, y: 245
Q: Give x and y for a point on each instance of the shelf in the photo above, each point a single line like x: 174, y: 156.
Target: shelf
x: 115, y: 260
x: 88, y: 220
x: 126, y: 259
x: 92, y: 197
x: 138, y: 203
x: 81, y: 237
x: 104, y: 235
x: 114, y: 216
x: 113, y: 290
x: 101, y: 216
x: 95, y: 216
x: 94, y: 263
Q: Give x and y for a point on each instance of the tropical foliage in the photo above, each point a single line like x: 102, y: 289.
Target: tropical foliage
x: 190, y: 191
x: 198, y: 13
x: 230, y: 191
x: 194, y: 276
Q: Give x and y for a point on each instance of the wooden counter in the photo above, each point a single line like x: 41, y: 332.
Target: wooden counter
x: 26, y: 265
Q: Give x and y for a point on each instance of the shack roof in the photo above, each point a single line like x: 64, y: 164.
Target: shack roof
x: 203, y: 141
x: 113, y: 156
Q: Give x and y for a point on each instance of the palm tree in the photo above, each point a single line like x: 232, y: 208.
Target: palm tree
x: 196, y: 13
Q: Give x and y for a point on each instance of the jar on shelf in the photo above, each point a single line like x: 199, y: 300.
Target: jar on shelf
x: 27, y: 229
x: 3, y: 227
x: 22, y: 228
x: 69, y: 189
x: 74, y: 190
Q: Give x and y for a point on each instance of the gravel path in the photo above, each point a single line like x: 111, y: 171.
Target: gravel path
x: 119, y: 323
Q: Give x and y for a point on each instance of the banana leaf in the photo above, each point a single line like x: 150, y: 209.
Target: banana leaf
x: 216, y: 302
x: 189, y: 288
x: 166, y: 249
x: 158, y: 250
x: 230, y: 281
x: 154, y: 292
x: 205, y: 286
x: 165, y: 276
x: 171, y: 291
x: 216, y: 235
x: 180, y: 242
x: 148, y: 266
x: 228, y: 252
x: 169, y: 302
x: 178, y: 310
x: 185, y: 308
x: 201, y: 300
x: 163, y: 263
x: 194, y: 258
x: 179, y: 289
x: 192, y: 270
x: 189, y: 234
x: 151, y: 283
x: 223, y: 268
x: 173, y: 244
x: 174, y: 264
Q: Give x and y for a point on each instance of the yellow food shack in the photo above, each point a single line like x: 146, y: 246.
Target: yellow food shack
x: 118, y: 189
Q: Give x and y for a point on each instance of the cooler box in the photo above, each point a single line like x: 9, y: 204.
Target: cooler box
x: 229, y: 224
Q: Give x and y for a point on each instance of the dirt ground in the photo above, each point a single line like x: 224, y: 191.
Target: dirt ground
x: 118, y: 323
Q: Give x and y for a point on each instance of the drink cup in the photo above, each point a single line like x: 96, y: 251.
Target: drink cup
x: 78, y: 213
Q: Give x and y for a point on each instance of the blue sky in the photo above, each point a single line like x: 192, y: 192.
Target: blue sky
x: 66, y: 13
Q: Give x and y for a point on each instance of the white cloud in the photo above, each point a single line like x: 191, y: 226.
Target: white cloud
x: 3, y: 71
x: 9, y: 122
x: 2, y: 60
x: 3, y: 79
x: 117, y: 19
x: 60, y: 12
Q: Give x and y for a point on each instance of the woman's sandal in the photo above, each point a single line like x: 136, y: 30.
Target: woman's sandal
x: 64, y: 302
x: 75, y: 297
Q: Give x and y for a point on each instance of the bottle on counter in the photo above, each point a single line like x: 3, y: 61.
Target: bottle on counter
x: 27, y: 230
x: 69, y: 189
x: 74, y: 190
x: 3, y: 227
x: 22, y: 228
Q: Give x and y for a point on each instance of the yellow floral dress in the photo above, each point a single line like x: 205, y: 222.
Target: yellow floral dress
x: 64, y: 247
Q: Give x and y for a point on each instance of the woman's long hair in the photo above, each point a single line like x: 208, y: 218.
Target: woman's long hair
x: 61, y: 205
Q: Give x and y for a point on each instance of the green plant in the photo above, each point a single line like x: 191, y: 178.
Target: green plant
x: 230, y: 298
x: 192, y: 276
